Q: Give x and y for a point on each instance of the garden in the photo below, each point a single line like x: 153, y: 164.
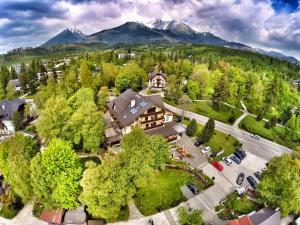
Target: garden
x: 235, y: 206
x: 163, y: 191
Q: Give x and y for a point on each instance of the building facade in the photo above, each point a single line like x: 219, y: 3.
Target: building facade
x: 157, y: 80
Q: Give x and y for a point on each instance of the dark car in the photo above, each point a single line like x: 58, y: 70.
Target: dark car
x: 238, y: 155
x: 240, y: 179
x: 213, y: 155
x: 178, y: 120
x: 193, y: 188
x: 199, y: 142
x: 252, y: 182
x: 235, y: 159
x: 258, y: 175
x: 242, y: 152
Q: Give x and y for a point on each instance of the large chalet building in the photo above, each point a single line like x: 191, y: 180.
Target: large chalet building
x: 130, y: 109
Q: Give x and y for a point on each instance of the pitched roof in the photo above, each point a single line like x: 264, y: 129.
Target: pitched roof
x: 154, y: 74
x: 125, y: 113
x: 52, y: 216
x: 266, y: 216
x: 244, y: 220
x: 8, y: 107
x: 76, y: 216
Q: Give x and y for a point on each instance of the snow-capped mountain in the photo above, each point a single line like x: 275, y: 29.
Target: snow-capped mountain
x: 67, y: 36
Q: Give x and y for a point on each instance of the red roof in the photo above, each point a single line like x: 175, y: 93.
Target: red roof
x: 245, y: 220
x: 52, y: 216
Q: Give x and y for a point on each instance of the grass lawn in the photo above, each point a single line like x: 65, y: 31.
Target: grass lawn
x: 163, y: 191
x: 235, y: 206
x: 227, y: 114
x: 277, y: 134
x: 219, y: 141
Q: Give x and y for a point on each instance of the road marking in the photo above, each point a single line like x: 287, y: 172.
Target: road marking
x: 202, y: 165
x: 206, y: 206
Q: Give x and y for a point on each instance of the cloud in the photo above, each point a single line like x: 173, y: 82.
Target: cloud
x: 274, y: 24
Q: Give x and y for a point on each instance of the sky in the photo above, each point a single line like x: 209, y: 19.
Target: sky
x: 268, y: 24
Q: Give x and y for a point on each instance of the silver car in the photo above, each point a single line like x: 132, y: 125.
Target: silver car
x: 227, y: 161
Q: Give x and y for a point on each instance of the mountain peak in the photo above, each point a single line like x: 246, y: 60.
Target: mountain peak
x: 67, y: 36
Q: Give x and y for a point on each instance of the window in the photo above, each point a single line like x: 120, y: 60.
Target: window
x: 151, y: 110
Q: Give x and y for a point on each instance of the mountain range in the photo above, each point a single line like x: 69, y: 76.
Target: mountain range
x: 157, y: 30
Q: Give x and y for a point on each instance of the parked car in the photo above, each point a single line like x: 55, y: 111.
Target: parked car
x: 235, y: 159
x: 199, y: 142
x: 193, y: 188
x: 227, y: 161
x: 217, y: 165
x: 252, y: 182
x: 257, y: 174
x: 240, y: 179
x: 213, y: 155
x: 242, y: 152
x: 178, y: 120
x: 238, y: 155
x: 255, y: 136
x: 206, y: 149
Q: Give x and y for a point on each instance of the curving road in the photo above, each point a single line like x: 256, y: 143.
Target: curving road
x: 263, y: 148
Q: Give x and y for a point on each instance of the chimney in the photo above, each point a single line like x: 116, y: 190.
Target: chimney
x: 132, y: 103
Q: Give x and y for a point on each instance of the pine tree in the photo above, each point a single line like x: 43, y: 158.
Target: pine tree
x: 208, y: 130
x: 191, y: 128
x: 220, y: 92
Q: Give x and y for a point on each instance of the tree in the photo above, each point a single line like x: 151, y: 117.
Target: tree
x: 23, y: 77
x: 220, y: 91
x: 10, y: 92
x: 86, y: 126
x: 193, y: 217
x: 280, y: 184
x: 192, y: 128
x: 2, y: 92
x: 15, y: 156
x: 53, y: 118
x: 17, y: 120
x: 184, y: 99
x: 160, y: 147
x: 104, y: 188
x: 86, y: 77
x: 193, y: 89
x: 102, y: 98
x: 70, y: 84
x: 56, y: 174
x: 131, y: 76
x: 208, y: 131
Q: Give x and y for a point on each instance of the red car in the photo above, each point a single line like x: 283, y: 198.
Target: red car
x: 217, y: 165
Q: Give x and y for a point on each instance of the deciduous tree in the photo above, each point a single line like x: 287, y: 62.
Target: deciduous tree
x: 86, y: 77
x: 15, y: 156
x: 56, y: 174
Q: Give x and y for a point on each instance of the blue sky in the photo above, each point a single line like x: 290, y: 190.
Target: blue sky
x: 269, y: 24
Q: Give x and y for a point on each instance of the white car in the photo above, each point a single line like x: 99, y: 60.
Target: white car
x: 206, y: 149
x: 227, y: 161
x: 255, y: 136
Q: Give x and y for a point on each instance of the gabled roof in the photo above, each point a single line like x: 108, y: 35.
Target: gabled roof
x: 244, y: 220
x: 121, y: 108
x: 8, y: 107
x: 154, y: 74
x: 266, y: 216
x: 52, y: 216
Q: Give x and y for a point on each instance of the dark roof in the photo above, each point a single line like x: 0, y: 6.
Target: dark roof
x: 266, y: 216
x: 76, y: 216
x: 154, y: 74
x: 165, y: 131
x: 52, y: 216
x: 8, y: 107
x: 121, y: 108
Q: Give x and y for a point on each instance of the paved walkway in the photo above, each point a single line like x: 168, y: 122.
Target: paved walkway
x: 134, y: 213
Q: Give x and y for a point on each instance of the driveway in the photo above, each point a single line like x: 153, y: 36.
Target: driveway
x: 198, y: 158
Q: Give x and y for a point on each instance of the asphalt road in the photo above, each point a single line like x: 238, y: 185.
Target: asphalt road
x: 263, y: 148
